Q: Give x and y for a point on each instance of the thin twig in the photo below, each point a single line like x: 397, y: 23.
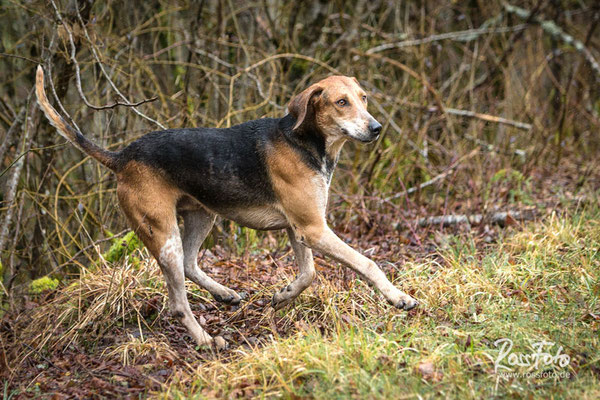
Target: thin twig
x: 112, y: 84
x: 118, y: 103
x: 251, y: 75
x: 463, y: 113
x: 17, y: 158
x: 166, y: 49
x: 514, y: 38
x: 465, y: 35
x: 435, y: 179
x: 19, y: 57
x: 421, y: 78
x: 11, y: 131
x: 485, y: 117
x: 80, y: 252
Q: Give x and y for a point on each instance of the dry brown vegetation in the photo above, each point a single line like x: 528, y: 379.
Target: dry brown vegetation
x: 486, y: 106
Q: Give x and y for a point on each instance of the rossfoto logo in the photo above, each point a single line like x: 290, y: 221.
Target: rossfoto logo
x: 544, y: 361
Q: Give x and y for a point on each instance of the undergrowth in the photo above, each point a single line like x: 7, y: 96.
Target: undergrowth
x: 536, y: 283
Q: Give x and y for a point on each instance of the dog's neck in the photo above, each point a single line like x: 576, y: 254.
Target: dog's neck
x: 321, y: 154
x: 333, y: 146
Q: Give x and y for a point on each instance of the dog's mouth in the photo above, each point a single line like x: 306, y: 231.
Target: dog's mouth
x: 370, y: 139
x: 367, y: 138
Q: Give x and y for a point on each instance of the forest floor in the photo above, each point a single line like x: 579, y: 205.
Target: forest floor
x: 504, y: 312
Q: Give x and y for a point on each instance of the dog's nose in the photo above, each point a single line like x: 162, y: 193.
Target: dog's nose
x: 374, y: 127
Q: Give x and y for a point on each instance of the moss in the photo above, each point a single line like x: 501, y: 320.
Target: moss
x: 122, y: 247
x: 43, y: 284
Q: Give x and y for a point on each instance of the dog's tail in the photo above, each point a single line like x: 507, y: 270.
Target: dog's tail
x: 107, y: 158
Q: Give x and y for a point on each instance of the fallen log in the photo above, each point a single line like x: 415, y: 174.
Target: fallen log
x: 503, y: 218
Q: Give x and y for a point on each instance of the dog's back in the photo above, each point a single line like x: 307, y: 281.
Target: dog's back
x: 221, y: 168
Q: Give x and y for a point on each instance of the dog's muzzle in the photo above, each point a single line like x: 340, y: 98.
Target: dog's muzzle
x: 374, y: 130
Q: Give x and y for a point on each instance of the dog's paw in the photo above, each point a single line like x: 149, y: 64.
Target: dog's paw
x: 220, y: 343
x: 282, y: 298
x: 406, y: 303
x: 227, y: 296
x: 207, y: 343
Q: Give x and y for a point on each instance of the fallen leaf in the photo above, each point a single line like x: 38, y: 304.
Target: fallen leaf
x: 427, y: 370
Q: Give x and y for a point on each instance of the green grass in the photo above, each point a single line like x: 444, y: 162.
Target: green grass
x: 536, y: 283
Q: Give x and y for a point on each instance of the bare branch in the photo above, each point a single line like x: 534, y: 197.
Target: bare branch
x: 484, y: 117
x: 465, y: 35
x: 455, y: 111
x: 11, y: 131
x: 435, y: 179
x: 19, y: 57
x: 13, y: 180
x: 78, y: 71
x: 551, y: 28
x: 118, y: 103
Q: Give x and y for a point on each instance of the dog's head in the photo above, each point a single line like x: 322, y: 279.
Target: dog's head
x: 337, y: 107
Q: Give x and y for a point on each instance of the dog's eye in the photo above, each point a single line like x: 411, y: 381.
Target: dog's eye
x: 364, y: 98
x: 341, y: 102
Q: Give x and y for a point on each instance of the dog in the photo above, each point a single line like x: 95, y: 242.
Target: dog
x: 266, y: 174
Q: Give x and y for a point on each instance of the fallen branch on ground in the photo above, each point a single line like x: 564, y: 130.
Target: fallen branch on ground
x: 503, y: 218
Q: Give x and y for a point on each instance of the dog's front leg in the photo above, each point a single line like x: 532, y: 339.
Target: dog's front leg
x: 306, y: 265
x: 322, y: 239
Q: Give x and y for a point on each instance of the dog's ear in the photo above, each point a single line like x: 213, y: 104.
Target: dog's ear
x: 299, y: 106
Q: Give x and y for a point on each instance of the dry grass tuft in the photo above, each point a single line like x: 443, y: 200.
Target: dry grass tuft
x: 102, y: 298
x: 156, y: 347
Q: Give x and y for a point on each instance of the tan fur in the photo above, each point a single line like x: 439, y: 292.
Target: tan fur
x: 307, y: 275
x: 303, y: 197
x: 300, y: 104
x: 321, y: 99
x: 150, y: 204
x: 66, y: 130
x: 303, y: 192
x: 296, y: 189
x: 55, y: 119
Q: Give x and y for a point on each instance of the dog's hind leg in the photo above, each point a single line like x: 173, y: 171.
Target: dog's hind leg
x: 305, y: 262
x: 196, y: 226
x: 155, y: 222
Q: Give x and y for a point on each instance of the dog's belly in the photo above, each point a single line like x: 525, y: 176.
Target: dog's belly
x: 257, y: 217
